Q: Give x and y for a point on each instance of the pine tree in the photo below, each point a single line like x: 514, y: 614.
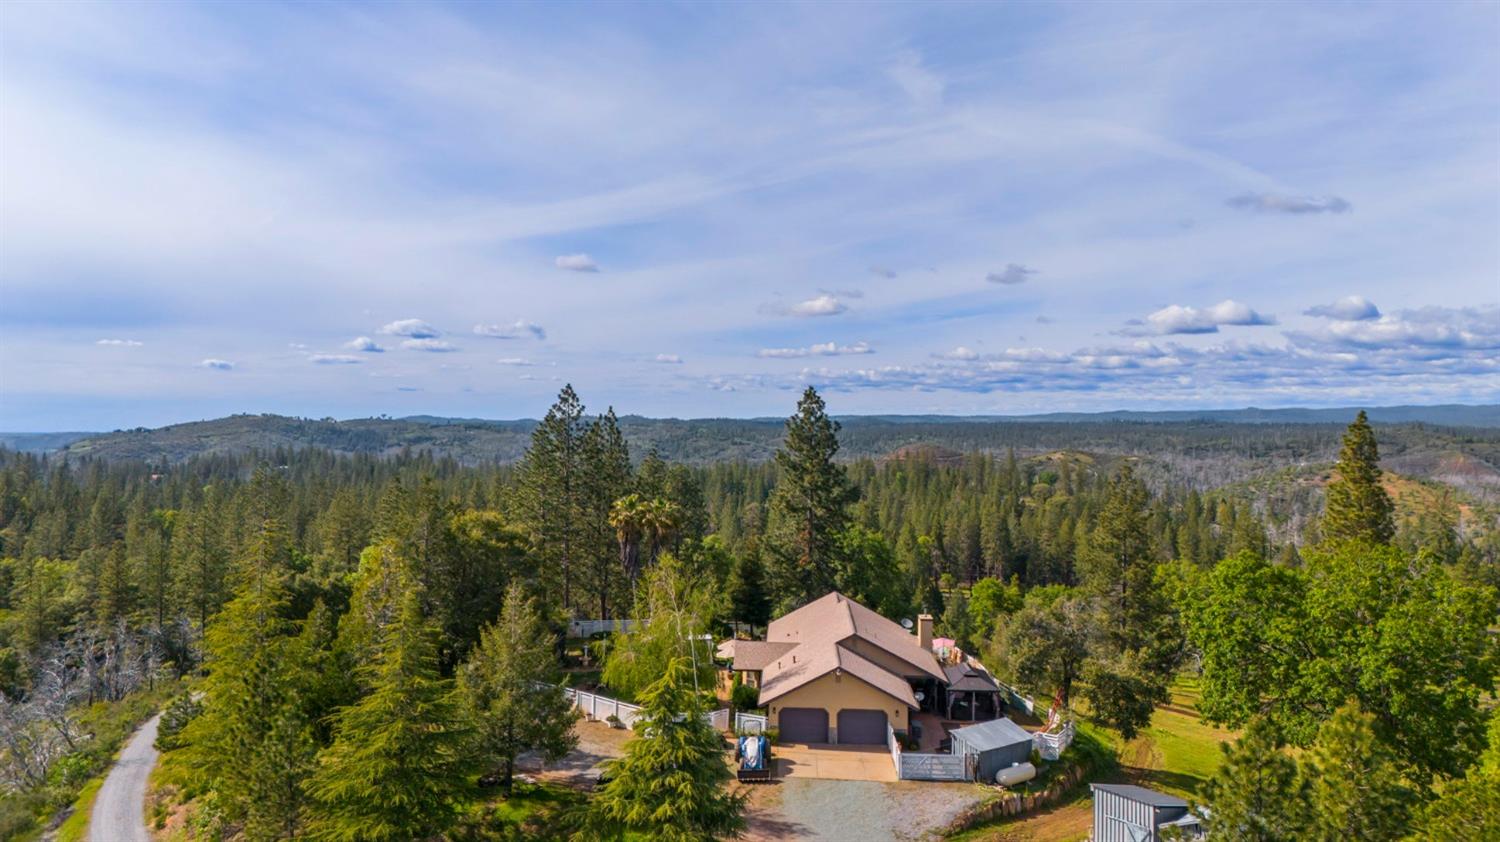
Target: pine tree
x: 400, y: 758
x: 747, y: 595
x: 1355, y: 783
x: 672, y: 782
x: 809, y: 507
x: 1358, y: 507
x: 1257, y: 795
x: 513, y: 712
x: 251, y: 742
x: 549, y: 493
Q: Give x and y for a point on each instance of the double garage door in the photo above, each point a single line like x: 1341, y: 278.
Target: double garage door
x: 810, y: 725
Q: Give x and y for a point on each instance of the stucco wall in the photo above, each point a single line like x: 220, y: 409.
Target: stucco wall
x: 834, y: 693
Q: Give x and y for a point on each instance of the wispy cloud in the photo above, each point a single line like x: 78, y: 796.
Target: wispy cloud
x: 824, y: 349
x: 120, y: 343
x: 576, y: 263
x: 519, y: 329
x: 1352, y: 308
x: 1013, y: 273
x: 216, y: 364
x: 334, y: 359
x: 1276, y: 203
x: 364, y: 344
x: 515, y: 361
x: 920, y: 84
x: 883, y: 272
x: 415, y: 328
x: 668, y: 359
x: 436, y: 346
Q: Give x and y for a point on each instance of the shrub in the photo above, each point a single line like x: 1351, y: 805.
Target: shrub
x: 744, y: 697
x: 178, y: 713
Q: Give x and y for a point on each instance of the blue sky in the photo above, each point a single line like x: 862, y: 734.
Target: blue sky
x: 695, y: 210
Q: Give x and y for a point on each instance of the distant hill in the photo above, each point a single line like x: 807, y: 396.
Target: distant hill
x: 1459, y: 445
x: 39, y: 442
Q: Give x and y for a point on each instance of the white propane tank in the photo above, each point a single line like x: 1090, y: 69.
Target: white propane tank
x: 1015, y: 773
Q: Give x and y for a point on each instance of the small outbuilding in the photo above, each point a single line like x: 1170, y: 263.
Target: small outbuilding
x: 1125, y: 813
x: 995, y: 745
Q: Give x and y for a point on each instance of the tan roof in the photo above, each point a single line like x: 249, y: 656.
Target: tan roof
x: 752, y: 655
x: 791, y: 675
x: 836, y: 617
x: 815, y: 633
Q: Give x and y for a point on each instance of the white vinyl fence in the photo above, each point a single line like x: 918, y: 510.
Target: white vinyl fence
x: 589, y: 628
x: 598, y: 707
x: 1051, y: 746
x: 750, y: 723
x: 914, y: 766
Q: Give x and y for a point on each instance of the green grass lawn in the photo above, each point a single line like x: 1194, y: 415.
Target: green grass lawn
x: 1178, y: 753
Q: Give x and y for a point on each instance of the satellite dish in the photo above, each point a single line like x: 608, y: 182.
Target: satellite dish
x: 920, y: 695
x: 906, y: 624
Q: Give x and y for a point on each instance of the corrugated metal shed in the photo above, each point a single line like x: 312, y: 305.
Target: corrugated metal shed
x: 996, y: 744
x: 1126, y: 813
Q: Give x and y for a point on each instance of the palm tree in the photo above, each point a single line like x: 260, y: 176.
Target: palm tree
x: 626, y: 517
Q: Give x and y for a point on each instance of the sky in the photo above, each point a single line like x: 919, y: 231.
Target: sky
x: 697, y: 210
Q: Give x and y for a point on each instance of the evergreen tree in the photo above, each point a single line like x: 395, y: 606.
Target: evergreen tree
x: 1468, y: 807
x: 1355, y: 783
x: 672, y: 783
x: 512, y: 711
x: 549, y: 493
x: 809, y: 507
x: 749, y: 601
x: 400, y: 758
x: 251, y: 742
x: 1257, y: 795
x: 1358, y: 507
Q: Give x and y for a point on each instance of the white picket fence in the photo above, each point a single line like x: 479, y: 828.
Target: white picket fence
x: 719, y: 719
x: 1051, y: 746
x: 750, y: 723
x: 589, y: 628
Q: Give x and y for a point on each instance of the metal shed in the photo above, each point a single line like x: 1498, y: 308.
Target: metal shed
x: 1125, y: 813
x: 995, y: 745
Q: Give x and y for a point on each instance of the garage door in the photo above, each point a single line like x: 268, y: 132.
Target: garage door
x: 862, y: 727
x: 804, y: 725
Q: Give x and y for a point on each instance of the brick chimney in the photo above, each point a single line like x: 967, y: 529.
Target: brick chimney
x: 924, y: 632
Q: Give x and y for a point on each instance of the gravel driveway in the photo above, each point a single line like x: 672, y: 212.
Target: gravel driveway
x: 120, y: 808
x: 863, y: 811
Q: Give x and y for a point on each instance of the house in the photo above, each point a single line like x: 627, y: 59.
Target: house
x: 1125, y: 813
x: 834, y: 671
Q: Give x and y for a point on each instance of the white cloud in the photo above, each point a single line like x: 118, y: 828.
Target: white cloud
x: 822, y: 305
x: 669, y: 359
x: 516, y: 361
x: 1276, y: 203
x: 519, y: 329
x: 436, y: 346
x: 364, y: 344
x: 334, y: 359
x: 120, y: 343
x: 1428, y: 329
x: 415, y: 328
x: 1177, y: 319
x: 220, y: 365
x: 1352, y: 308
x: 577, y: 263
x: 823, y: 349
x: 1013, y: 273
x: 959, y: 353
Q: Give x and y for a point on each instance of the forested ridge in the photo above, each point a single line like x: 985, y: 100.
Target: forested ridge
x: 314, y: 598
